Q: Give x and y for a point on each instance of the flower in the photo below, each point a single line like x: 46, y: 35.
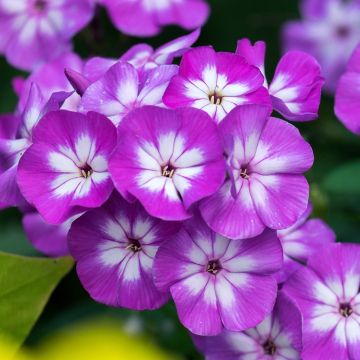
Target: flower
x: 168, y: 160
x: 215, y: 83
x: 41, y: 29
x: 50, y: 78
x: 302, y: 240
x: 65, y: 170
x: 50, y: 240
x: 19, y: 138
x: 276, y: 337
x: 146, y: 18
x: 214, y: 280
x: 347, y: 96
x: 114, y: 247
x: 330, y: 31
x: 295, y: 90
x: 121, y: 90
x: 265, y: 186
x: 327, y: 293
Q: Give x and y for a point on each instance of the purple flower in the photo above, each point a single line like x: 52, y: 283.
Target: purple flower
x: 296, y: 87
x: 347, y: 97
x: 168, y: 160
x: 114, y: 247
x: 146, y: 18
x: 330, y: 31
x: 121, y: 90
x: 215, y: 83
x: 20, y: 138
x: 327, y: 293
x: 277, y: 337
x: 302, y: 240
x: 50, y: 240
x: 216, y: 282
x: 50, y: 78
x: 265, y: 186
x: 65, y: 170
x: 36, y: 31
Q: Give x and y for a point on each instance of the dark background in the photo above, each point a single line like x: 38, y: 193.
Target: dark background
x: 333, y: 146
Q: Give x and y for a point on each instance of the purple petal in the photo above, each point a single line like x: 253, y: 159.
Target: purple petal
x: 96, y: 67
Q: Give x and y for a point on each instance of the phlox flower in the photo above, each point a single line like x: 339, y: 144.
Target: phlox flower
x: 327, y: 293
x: 329, y: 30
x: 114, y: 247
x: 266, y: 158
x: 121, y: 89
x: 215, y: 83
x: 142, y: 56
x: 65, y: 170
x: 301, y: 240
x: 147, y: 17
x: 347, y: 96
x: 168, y: 160
x: 295, y: 90
x: 40, y: 29
x: 216, y: 282
x: 277, y: 337
x: 19, y: 137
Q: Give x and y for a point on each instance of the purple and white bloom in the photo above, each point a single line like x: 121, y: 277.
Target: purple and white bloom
x: 295, y: 90
x: 50, y: 78
x: 142, y: 56
x: 215, y: 83
x: 114, y: 247
x: 168, y: 160
x: 301, y: 240
x: 327, y: 293
x: 329, y: 30
x: 347, y: 96
x: 121, y: 90
x: 278, y: 337
x: 147, y: 17
x: 266, y: 159
x: 36, y: 31
x: 65, y: 170
x: 216, y: 282
x: 20, y: 138
x: 49, y: 239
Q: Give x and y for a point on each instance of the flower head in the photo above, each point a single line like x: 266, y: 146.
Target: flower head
x: 121, y: 90
x: 40, y: 29
x: 147, y: 17
x: 296, y: 87
x: 301, y: 240
x: 347, y: 96
x: 265, y: 186
x: 327, y: 293
x: 65, y: 170
x: 114, y: 247
x: 168, y: 160
x: 330, y: 31
x: 215, y: 83
x: 277, y: 337
x: 214, y: 280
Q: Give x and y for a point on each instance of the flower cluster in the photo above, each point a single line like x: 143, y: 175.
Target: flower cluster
x: 185, y: 183
x: 330, y: 31
x: 43, y: 29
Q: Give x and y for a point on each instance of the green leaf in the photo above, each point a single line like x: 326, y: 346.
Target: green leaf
x: 26, y: 284
x: 344, y: 179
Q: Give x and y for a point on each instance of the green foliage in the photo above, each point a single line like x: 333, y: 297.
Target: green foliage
x: 25, y: 286
x: 344, y: 179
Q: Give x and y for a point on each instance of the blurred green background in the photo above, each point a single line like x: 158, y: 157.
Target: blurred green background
x: 335, y: 184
